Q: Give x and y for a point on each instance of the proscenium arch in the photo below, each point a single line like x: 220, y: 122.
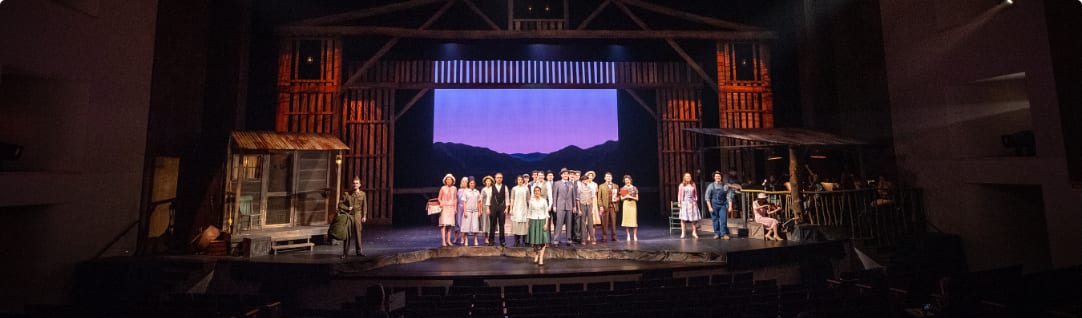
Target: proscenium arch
x: 361, y: 108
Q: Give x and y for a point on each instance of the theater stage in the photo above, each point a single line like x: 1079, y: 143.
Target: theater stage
x: 410, y: 259
x: 415, y: 252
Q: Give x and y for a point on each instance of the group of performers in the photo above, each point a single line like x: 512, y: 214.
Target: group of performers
x: 539, y: 209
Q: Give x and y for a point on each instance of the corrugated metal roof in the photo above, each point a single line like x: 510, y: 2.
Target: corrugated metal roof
x: 781, y: 136
x: 269, y: 140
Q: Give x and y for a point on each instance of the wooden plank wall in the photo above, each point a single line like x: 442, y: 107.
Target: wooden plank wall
x: 679, y: 108
x: 368, y: 130
x: 743, y: 103
x: 308, y: 105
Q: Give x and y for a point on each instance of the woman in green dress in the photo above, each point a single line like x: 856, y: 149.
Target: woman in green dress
x: 539, y: 225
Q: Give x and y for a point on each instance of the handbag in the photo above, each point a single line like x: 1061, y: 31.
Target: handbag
x: 433, y: 206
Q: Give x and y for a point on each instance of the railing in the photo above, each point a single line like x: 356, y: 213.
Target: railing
x: 878, y: 219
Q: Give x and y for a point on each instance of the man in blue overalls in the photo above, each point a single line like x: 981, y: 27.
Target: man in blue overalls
x: 717, y: 202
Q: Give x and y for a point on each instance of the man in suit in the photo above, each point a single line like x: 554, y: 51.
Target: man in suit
x: 576, y: 218
x: 498, y: 210
x: 355, y: 203
x: 607, y: 199
x: 564, y: 204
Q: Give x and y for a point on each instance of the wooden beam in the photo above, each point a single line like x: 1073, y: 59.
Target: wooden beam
x: 631, y: 15
x: 484, y: 17
x: 593, y: 15
x: 694, y: 65
x: 691, y: 16
x: 364, y: 13
x: 672, y: 43
x: 356, y: 76
x: 416, y: 98
x: 391, y: 43
x: 529, y: 34
x: 642, y: 103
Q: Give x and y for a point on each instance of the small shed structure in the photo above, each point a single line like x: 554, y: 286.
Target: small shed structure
x: 281, y: 181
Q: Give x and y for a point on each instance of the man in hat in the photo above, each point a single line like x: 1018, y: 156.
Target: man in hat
x: 564, y: 204
x: 587, y: 207
x: 354, y: 202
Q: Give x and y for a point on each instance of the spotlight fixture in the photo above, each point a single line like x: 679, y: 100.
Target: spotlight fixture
x: 309, y: 59
x: 529, y: 8
x: 1008, y: 2
x: 547, y: 7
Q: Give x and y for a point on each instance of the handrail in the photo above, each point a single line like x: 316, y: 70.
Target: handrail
x: 150, y: 207
x: 867, y: 214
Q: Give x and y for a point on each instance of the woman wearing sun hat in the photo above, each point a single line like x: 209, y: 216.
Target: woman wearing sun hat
x: 448, y: 198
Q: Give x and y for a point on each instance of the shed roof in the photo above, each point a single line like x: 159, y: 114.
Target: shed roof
x: 780, y: 136
x: 269, y: 140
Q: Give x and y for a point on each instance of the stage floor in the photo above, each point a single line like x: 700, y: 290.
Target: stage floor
x: 416, y: 252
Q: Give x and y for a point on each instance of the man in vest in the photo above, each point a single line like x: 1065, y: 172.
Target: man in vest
x: 355, y: 203
x: 717, y: 202
x: 498, y: 209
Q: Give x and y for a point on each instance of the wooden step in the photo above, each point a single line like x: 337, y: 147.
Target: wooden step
x: 292, y: 241
x: 307, y: 245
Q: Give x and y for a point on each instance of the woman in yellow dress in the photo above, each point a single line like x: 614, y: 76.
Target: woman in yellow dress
x: 630, y: 195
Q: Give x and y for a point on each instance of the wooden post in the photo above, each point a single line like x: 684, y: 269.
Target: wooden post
x: 794, y: 186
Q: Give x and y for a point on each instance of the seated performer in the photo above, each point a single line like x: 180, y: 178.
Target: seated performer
x: 763, y: 209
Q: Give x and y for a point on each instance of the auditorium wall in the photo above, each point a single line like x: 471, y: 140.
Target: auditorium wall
x: 960, y: 75
x: 74, y: 92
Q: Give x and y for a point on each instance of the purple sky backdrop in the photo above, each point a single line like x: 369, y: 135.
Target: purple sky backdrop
x: 525, y: 120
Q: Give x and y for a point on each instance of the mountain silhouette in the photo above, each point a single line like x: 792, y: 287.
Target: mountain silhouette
x: 461, y: 159
x: 529, y: 157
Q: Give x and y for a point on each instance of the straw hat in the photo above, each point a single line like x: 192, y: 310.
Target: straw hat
x: 761, y: 196
x: 591, y: 173
x: 449, y: 176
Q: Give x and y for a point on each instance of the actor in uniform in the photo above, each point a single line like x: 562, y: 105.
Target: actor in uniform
x: 355, y: 203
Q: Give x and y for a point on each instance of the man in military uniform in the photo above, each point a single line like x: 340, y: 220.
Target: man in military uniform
x: 355, y: 203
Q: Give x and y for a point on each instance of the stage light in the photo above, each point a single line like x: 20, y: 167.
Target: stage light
x: 818, y: 155
x: 338, y: 159
x: 1008, y: 2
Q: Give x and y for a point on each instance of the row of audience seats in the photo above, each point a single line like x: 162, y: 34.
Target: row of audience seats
x: 1001, y: 292
x: 170, y: 306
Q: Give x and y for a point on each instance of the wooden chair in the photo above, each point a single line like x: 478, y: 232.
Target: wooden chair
x: 674, y: 217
